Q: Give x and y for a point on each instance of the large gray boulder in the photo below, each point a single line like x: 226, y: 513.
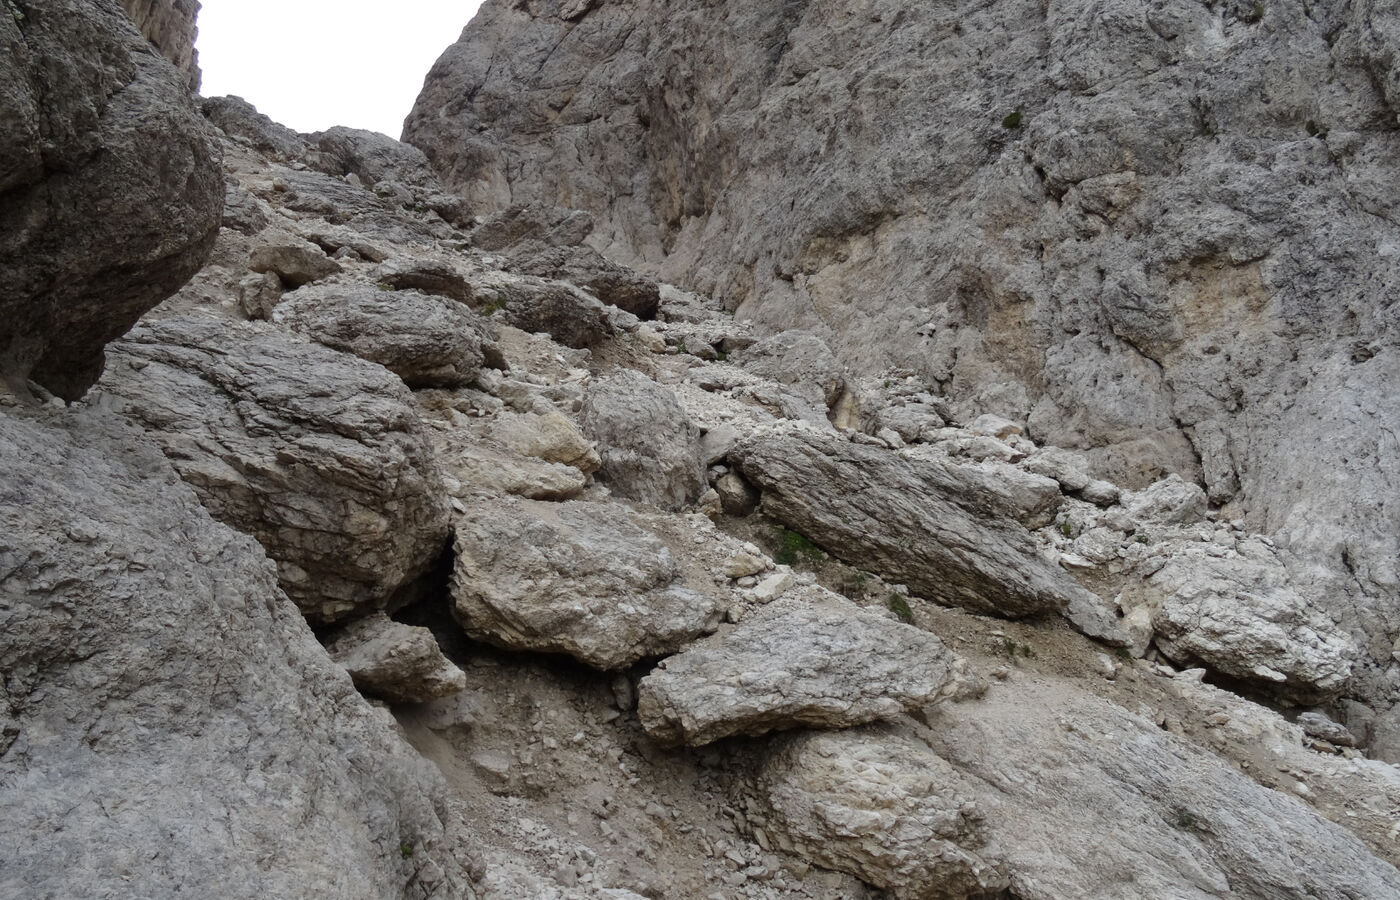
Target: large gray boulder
x: 790, y: 665
x: 924, y: 522
x: 169, y: 726
x: 1160, y: 233
x: 394, y: 662
x: 880, y: 805
x: 427, y: 341
x: 650, y: 449
x: 578, y: 578
x: 317, y: 454
x: 111, y: 183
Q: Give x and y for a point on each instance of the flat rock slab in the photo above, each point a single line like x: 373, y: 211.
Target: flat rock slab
x: 578, y: 578
x: 394, y: 662
x: 317, y: 454
x: 792, y: 665
x: 922, y: 522
x: 427, y: 341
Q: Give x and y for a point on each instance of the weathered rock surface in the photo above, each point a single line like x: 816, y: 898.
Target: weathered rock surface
x: 548, y: 242
x: 428, y: 276
x: 792, y: 665
x: 238, y: 119
x: 650, y: 449
x: 1238, y: 614
x: 294, y: 264
x: 427, y: 341
x: 920, y: 522
x: 111, y: 184
x: 540, y: 305
x: 1087, y: 801
x: 394, y: 662
x: 170, y: 725
x: 317, y: 454
x: 1160, y: 234
x: 883, y: 807
x: 578, y: 578
x: 170, y: 26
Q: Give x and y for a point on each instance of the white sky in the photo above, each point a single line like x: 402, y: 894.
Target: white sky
x: 311, y: 64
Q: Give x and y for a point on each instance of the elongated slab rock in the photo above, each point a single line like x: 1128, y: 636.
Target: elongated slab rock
x: 578, y: 578
x: 792, y: 665
x: 917, y: 521
x: 393, y: 661
x: 317, y: 454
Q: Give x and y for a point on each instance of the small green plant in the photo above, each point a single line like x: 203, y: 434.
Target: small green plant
x: 1122, y: 653
x: 406, y: 850
x: 900, y: 607
x: 384, y: 286
x: 1314, y: 129
x: 721, y: 356
x: 793, y: 546
x: 1067, y: 529
x: 1014, y: 649
x: 1254, y: 15
x: 1013, y: 120
x: 888, y: 382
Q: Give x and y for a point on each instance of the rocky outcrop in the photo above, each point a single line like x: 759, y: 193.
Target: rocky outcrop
x: 922, y: 522
x: 157, y: 680
x: 111, y: 187
x: 1087, y: 801
x: 583, y: 579
x: 170, y: 26
x: 394, y: 662
x: 650, y: 449
x: 427, y: 341
x: 792, y: 665
x: 1157, y: 233
x: 317, y: 454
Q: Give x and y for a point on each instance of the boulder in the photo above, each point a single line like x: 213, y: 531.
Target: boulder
x: 578, y: 578
x: 1239, y: 614
x: 394, y: 662
x: 1171, y: 501
x: 793, y: 665
x: 548, y: 242
x: 923, y: 522
x: 294, y: 264
x: 539, y: 305
x: 882, y: 806
x: 112, y: 187
x: 649, y: 447
x: 802, y: 362
x: 548, y: 435
x: 426, y: 275
x: 317, y: 454
x: 168, y: 724
x: 427, y: 341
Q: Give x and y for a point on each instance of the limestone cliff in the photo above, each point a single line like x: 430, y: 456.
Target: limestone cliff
x: 170, y: 25
x: 1162, y: 233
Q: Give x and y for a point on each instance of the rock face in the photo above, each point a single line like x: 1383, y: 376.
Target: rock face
x: 394, y: 662
x: 583, y: 579
x: 427, y: 341
x: 1158, y: 233
x: 170, y: 25
x: 650, y: 449
x: 921, y: 522
x: 157, y: 680
x: 317, y: 454
x: 793, y: 665
x: 1088, y: 801
x: 111, y: 183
